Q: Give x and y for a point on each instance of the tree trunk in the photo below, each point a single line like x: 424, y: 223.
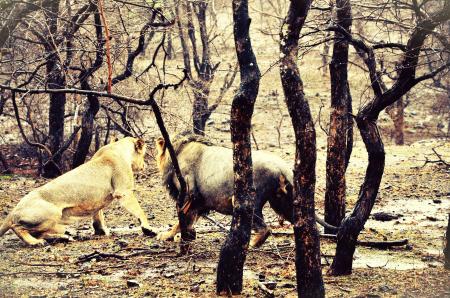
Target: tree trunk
x: 233, y: 252
x: 339, y: 124
x: 87, y: 129
x: 367, y: 125
x: 307, y: 243
x: 324, y: 54
x: 87, y: 122
x: 55, y: 80
x: 6, y: 169
x: 200, y: 109
x: 397, y: 113
x: 353, y: 225
x: 447, y: 245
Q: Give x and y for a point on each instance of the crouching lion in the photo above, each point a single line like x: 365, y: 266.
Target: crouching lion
x: 208, y: 171
x: 84, y: 191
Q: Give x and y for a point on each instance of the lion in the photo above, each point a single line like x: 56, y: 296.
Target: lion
x: 208, y: 171
x: 85, y: 191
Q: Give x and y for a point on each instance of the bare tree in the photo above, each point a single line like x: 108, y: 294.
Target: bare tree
x: 205, y: 70
x: 366, y: 120
x: 340, y: 134
x: 307, y: 243
x: 234, y: 250
x: 56, y: 79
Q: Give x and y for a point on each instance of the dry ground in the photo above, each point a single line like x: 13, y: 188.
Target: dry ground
x: 418, y: 194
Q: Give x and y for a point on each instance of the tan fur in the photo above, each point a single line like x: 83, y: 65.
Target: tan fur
x: 84, y: 191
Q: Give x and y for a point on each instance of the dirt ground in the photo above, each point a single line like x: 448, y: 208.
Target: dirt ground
x: 130, y: 264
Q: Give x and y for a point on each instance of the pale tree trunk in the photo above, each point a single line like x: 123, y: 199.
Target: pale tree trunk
x: 397, y: 113
x: 447, y: 245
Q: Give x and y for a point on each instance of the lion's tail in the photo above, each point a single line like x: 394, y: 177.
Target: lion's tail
x: 6, y: 225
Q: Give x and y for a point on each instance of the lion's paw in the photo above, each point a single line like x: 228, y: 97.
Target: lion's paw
x: 148, y: 232
x: 165, y: 236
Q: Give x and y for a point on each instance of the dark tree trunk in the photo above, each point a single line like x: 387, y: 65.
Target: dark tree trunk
x: 87, y: 129
x: 339, y: 121
x: 367, y: 125
x: 307, y: 258
x: 87, y: 122
x: 55, y: 80
x: 447, y: 245
x: 5, y: 165
x: 349, y: 136
x: 353, y: 225
x: 200, y: 110
x: 233, y: 252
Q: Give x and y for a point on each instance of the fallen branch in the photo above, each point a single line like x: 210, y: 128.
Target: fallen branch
x: 222, y: 227
x: 98, y: 255
x: 373, y: 244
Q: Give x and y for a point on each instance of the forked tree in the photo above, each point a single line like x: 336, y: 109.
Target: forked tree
x: 307, y: 243
x: 234, y: 250
x: 195, y: 44
x: 367, y: 116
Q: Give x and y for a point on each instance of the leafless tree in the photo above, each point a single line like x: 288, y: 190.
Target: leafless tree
x: 307, y: 244
x: 234, y: 250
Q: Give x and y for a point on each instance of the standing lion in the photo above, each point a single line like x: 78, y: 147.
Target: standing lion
x: 84, y: 191
x: 208, y: 171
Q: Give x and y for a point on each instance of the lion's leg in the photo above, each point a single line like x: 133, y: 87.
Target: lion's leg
x: 56, y: 234
x: 191, y: 219
x: 99, y: 224
x: 26, y: 237
x: 169, y: 235
x: 131, y: 204
x: 262, y: 231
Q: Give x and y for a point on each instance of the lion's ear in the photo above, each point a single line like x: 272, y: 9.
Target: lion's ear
x: 113, y: 140
x: 160, y: 145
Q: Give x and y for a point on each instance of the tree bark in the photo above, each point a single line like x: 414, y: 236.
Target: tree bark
x: 5, y: 165
x: 397, y: 113
x: 353, y: 225
x: 200, y: 110
x: 447, y: 245
x: 233, y: 252
x: 55, y: 80
x: 87, y: 122
x: 307, y: 258
x: 339, y: 121
x: 87, y: 128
